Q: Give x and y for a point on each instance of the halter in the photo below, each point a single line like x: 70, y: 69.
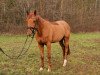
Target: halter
x: 34, y: 29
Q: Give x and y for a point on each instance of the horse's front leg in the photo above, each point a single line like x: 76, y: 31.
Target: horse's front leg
x: 49, y: 56
x: 41, y: 47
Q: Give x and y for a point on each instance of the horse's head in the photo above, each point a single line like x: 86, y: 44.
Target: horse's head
x: 31, y: 22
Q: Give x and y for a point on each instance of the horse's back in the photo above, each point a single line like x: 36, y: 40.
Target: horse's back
x: 64, y: 24
x: 60, y: 30
x: 54, y: 23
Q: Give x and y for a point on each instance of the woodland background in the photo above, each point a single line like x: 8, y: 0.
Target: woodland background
x: 82, y: 15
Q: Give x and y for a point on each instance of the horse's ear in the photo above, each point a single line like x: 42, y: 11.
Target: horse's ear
x: 27, y: 12
x: 35, y: 13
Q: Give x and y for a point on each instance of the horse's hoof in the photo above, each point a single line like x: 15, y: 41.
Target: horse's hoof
x: 49, y: 70
x: 41, y: 69
x: 65, y: 62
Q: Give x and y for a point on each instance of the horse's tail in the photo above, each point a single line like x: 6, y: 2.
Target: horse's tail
x: 68, y: 53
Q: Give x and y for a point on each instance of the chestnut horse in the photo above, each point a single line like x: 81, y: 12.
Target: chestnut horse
x: 47, y: 33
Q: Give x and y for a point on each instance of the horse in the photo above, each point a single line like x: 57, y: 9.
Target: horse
x: 49, y: 32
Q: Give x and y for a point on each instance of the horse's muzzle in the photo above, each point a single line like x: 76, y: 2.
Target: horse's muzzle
x: 31, y: 31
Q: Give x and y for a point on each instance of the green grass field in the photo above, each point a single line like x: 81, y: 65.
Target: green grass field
x: 83, y: 60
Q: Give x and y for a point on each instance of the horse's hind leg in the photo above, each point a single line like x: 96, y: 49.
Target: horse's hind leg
x: 63, y: 47
x: 67, y: 51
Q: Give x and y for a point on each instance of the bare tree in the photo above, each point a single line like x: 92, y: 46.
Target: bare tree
x: 82, y: 15
x: 61, y: 9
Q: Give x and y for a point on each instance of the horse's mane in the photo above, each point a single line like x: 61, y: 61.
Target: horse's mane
x: 47, y: 20
x: 54, y: 23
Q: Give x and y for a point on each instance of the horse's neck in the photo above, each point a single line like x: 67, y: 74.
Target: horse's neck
x: 40, y: 26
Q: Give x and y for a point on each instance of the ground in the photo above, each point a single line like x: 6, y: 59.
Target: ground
x: 83, y: 60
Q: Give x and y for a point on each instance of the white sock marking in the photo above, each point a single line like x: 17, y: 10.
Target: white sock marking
x: 65, y: 62
x: 49, y: 70
x: 41, y: 69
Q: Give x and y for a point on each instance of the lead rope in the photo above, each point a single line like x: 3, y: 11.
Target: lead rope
x: 5, y: 54
x: 33, y: 33
x: 26, y: 49
x: 22, y: 48
x: 20, y: 54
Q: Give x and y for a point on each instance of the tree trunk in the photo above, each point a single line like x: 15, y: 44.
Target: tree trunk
x: 61, y: 9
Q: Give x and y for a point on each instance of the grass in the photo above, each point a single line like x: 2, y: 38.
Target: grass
x: 84, y: 58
